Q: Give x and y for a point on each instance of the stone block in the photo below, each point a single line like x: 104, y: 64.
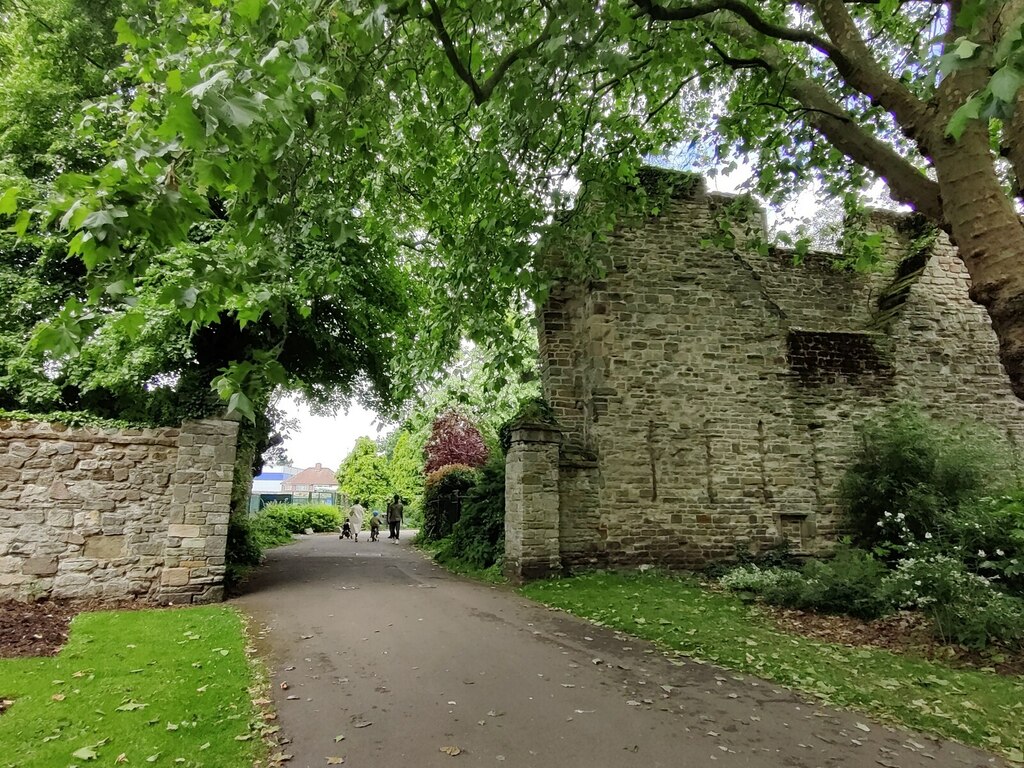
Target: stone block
x: 174, y: 577
x: 40, y: 566
x: 105, y: 547
x: 184, y: 531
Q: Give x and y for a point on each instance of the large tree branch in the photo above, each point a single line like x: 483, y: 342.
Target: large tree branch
x: 692, y: 11
x: 482, y: 91
x: 862, y: 72
x: 906, y: 183
x: 453, y: 55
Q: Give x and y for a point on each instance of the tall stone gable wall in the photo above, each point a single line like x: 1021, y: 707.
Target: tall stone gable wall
x: 89, y: 512
x: 708, y: 396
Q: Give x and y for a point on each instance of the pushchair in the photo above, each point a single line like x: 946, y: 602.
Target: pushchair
x: 346, y: 531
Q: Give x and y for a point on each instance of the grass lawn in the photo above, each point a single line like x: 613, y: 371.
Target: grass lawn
x: 161, y: 687
x: 984, y: 709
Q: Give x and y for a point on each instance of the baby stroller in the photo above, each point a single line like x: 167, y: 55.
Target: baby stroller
x: 346, y: 531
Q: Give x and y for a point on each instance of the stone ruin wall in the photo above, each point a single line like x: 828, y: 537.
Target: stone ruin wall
x: 708, y: 397
x: 97, y: 513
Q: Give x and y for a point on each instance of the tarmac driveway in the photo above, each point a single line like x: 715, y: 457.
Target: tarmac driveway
x: 378, y: 645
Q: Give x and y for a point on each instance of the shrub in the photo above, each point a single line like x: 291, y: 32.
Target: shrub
x: 478, y: 538
x: 270, y: 530
x: 442, y: 501
x: 964, y: 607
x: 988, y: 535
x: 296, y: 518
x: 243, y: 550
x: 913, y: 466
x: 750, y: 578
x: 454, y: 440
x: 850, y: 583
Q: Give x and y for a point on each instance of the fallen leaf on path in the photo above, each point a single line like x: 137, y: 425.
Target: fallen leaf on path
x: 568, y: 685
x: 633, y: 703
x: 863, y: 727
x: 285, y: 686
x: 364, y: 724
x: 339, y: 737
x: 293, y: 697
x: 584, y: 711
x: 335, y: 760
x: 596, y: 661
x: 289, y: 669
x: 451, y: 751
x: 85, y: 753
x: 280, y: 757
x: 307, y: 637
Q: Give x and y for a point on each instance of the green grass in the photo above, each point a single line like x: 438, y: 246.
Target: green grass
x: 154, y: 685
x: 979, y: 708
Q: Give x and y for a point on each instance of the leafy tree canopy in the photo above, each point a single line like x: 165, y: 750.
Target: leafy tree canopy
x: 445, y: 138
x: 363, y: 475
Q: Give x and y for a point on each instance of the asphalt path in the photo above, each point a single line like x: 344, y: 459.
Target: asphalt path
x: 379, y: 646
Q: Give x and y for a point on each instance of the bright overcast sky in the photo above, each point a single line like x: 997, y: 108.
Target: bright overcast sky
x: 326, y: 439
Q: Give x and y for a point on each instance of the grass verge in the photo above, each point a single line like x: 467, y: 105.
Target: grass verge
x: 161, y: 687
x: 491, y: 575
x: 979, y: 708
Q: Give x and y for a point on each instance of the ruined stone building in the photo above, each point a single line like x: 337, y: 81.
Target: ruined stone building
x: 707, y: 397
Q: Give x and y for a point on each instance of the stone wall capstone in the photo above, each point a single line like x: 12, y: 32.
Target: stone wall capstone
x: 709, y: 395
x: 87, y: 512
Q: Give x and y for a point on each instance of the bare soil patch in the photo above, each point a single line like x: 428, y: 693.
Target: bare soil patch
x: 904, y: 632
x: 41, y: 629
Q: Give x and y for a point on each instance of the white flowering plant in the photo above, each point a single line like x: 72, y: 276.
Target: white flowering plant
x: 964, y: 608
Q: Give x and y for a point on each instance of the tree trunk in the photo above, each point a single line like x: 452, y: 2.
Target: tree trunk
x: 990, y: 238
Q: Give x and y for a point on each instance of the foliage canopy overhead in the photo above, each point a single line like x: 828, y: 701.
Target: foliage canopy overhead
x: 446, y: 138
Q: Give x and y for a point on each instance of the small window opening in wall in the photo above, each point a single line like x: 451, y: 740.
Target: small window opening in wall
x: 795, y: 530
x: 820, y: 356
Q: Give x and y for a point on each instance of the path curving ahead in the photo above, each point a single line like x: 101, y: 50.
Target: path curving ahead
x: 374, y: 633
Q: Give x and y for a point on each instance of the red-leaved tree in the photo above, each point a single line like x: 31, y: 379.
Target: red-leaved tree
x: 454, y: 440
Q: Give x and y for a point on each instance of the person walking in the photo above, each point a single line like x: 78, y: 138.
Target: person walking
x: 396, y: 512
x: 355, y: 518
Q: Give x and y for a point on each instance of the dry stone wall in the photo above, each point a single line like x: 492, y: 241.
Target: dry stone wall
x: 708, y: 395
x: 90, y: 512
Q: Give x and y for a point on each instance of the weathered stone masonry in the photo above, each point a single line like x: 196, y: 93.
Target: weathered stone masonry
x: 708, y: 396
x: 88, y: 512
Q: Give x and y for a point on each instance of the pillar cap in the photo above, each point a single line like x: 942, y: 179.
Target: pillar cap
x: 536, y: 432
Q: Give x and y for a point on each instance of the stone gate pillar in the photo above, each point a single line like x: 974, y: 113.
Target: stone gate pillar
x: 200, y: 507
x: 531, y: 502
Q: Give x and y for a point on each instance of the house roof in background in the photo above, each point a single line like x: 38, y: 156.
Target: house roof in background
x: 318, y: 475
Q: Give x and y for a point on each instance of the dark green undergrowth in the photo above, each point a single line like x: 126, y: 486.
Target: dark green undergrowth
x: 163, y: 688
x: 442, y: 553
x: 677, y: 613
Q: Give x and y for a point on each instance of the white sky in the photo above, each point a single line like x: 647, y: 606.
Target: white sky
x: 326, y: 439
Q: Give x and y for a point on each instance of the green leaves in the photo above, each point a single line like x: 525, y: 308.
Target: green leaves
x: 249, y: 10
x: 9, y: 201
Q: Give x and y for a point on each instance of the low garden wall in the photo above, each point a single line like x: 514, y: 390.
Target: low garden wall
x: 88, y: 512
